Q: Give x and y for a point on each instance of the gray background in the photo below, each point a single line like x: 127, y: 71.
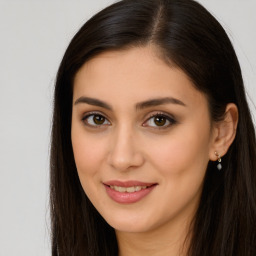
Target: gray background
x: 34, y: 36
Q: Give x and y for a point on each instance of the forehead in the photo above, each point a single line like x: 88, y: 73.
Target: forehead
x: 135, y: 74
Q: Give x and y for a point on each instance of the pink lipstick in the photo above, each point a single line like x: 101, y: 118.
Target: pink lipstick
x: 129, y: 191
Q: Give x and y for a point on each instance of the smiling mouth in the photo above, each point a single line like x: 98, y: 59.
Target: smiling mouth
x: 128, y: 192
x: 128, y: 189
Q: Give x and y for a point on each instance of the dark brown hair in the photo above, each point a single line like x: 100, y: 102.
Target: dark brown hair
x: 190, y: 37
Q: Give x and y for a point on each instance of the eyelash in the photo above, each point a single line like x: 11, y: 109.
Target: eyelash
x: 91, y: 114
x: 167, y: 117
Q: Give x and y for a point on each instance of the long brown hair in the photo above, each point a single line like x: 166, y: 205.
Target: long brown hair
x: 188, y: 35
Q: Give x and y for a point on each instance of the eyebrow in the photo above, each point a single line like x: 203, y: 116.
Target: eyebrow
x: 93, y: 101
x: 159, y: 101
x: 138, y: 106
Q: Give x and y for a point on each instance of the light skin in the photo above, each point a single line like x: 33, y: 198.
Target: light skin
x: 136, y: 118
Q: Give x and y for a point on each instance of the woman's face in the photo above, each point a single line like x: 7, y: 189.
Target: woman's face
x: 141, y: 136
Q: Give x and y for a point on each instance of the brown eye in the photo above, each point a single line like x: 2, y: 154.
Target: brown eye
x: 95, y: 120
x: 160, y: 120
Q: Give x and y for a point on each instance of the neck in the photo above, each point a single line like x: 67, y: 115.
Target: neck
x: 171, y: 239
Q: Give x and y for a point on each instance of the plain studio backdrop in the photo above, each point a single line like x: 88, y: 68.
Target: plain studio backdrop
x: 34, y: 36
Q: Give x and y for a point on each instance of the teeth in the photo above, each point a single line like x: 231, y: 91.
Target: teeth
x: 129, y: 189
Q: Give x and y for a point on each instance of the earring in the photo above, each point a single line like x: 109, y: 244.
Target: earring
x: 219, y: 166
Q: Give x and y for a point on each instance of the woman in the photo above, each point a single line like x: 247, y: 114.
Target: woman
x: 153, y: 145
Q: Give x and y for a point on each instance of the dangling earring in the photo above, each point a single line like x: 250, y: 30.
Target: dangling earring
x: 219, y: 166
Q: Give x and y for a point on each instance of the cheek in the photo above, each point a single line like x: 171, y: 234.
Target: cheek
x: 184, y: 151
x: 89, y: 152
x: 180, y: 161
x: 89, y: 156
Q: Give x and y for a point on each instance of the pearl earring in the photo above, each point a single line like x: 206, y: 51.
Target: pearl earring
x: 219, y: 166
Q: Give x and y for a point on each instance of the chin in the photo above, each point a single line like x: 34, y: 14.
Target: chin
x: 131, y: 224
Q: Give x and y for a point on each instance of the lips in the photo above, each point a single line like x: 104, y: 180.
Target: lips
x: 126, y: 184
x: 129, y: 191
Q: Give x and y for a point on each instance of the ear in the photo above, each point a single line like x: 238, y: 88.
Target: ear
x: 224, y: 132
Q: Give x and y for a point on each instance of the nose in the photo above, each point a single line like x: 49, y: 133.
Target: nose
x: 125, y: 150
